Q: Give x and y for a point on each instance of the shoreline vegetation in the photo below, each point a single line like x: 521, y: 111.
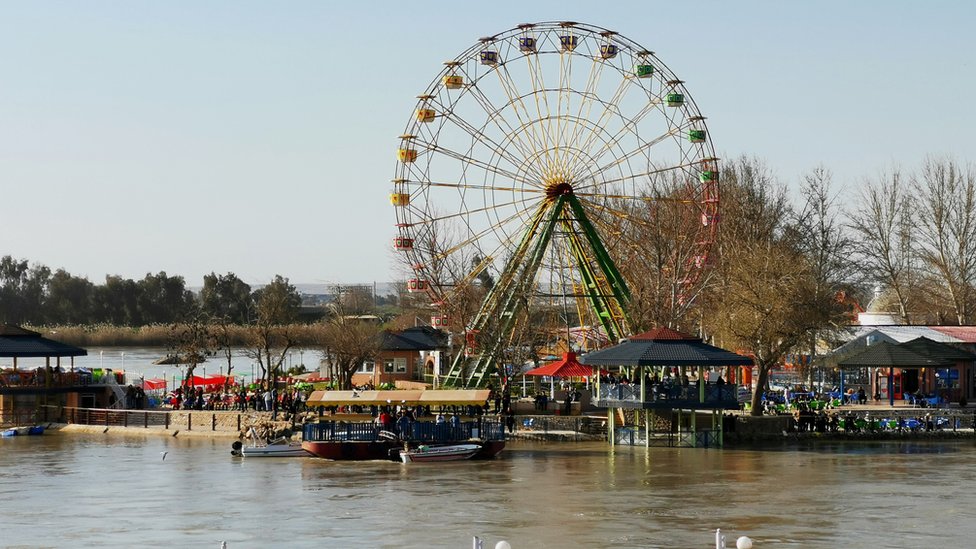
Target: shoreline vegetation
x: 161, y: 335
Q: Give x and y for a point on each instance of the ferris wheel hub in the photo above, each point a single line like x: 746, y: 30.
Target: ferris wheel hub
x: 557, y: 188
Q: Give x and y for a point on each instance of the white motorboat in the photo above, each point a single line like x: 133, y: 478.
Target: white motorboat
x: 281, y: 447
x: 447, y: 452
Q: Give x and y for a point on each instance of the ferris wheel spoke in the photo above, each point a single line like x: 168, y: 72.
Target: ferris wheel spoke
x: 515, y: 100
x: 464, y: 186
x: 467, y: 160
x: 496, y: 117
x: 587, y: 98
x: 426, y: 220
x: 480, y: 136
x: 605, y: 182
x: 539, y: 89
x: 630, y: 128
x: 643, y: 148
x: 609, y: 109
x: 476, y: 237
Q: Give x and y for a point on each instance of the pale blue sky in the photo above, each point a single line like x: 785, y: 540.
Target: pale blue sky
x: 260, y: 137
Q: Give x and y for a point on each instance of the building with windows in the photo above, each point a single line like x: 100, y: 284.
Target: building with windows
x: 411, y: 355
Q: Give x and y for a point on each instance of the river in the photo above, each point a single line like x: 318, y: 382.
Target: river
x: 83, y: 490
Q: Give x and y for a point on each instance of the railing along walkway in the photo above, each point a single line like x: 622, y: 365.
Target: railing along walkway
x: 190, y: 420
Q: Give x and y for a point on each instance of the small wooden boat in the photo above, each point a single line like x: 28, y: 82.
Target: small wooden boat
x: 447, y: 452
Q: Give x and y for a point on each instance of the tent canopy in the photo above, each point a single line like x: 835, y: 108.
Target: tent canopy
x: 568, y: 366
x: 665, y: 347
x: 153, y: 384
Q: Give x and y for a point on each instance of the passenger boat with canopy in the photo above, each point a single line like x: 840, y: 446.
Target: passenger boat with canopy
x: 348, y: 435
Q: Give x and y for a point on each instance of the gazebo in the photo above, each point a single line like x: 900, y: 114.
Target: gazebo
x: 909, y: 355
x: 17, y: 342
x: 18, y: 387
x: 665, y: 348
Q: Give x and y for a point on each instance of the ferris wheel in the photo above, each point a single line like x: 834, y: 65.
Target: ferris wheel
x: 532, y: 166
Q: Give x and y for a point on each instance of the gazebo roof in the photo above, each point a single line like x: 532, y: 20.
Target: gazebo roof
x: 568, y: 366
x: 665, y: 347
x: 890, y: 354
x: 18, y: 342
x: 419, y: 338
x: 939, y: 351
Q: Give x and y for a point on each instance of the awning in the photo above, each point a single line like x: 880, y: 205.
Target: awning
x: 454, y: 397
x: 434, y: 397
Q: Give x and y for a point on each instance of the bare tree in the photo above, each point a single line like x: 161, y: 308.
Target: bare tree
x: 768, y: 295
x: 191, y: 341
x: 346, y: 345
x: 273, y: 335
x: 947, y: 223
x: 886, y: 244
x: 827, y: 247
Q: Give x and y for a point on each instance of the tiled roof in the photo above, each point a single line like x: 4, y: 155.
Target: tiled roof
x: 420, y: 338
x: 889, y: 354
x: 964, y: 334
x: 680, y: 352
x: 940, y: 351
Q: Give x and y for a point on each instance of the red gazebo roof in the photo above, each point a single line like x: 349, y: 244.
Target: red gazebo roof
x: 567, y: 367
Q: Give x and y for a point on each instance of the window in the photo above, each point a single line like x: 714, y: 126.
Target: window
x: 388, y: 366
x: 367, y: 367
x: 401, y: 365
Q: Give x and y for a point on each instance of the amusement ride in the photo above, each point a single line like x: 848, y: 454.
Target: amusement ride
x: 528, y: 175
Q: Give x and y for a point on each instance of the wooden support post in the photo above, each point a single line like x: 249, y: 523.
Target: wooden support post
x: 694, y: 428
x: 189, y: 421
x: 647, y: 428
x: 611, y: 426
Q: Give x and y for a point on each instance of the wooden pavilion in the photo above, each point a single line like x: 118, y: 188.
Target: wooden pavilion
x: 21, y: 391
x: 652, y: 375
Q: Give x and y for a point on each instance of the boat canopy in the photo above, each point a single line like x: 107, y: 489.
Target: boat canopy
x: 432, y: 397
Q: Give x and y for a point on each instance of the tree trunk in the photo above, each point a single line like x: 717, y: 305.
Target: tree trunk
x: 761, y: 380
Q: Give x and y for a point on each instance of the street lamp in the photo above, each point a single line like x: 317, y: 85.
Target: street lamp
x: 101, y: 356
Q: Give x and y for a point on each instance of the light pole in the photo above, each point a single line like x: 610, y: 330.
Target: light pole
x: 123, y: 362
x: 101, y: 356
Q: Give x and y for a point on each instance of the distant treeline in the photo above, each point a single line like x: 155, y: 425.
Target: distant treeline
x: 30, y: 294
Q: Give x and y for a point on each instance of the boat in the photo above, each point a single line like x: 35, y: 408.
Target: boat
x: 281, y: 447
x: 15, y: 431
x: 360, y: 441
x: 447, y: 452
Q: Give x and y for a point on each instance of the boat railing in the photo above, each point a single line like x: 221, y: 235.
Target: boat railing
x: 420, y: 431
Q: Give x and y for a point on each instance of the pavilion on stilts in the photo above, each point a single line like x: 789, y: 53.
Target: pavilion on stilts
x: 666, y: 375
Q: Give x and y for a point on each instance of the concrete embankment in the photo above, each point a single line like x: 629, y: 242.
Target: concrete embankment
x: 130, y: 431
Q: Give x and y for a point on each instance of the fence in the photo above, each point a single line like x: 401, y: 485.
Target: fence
x: 229, y: 422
